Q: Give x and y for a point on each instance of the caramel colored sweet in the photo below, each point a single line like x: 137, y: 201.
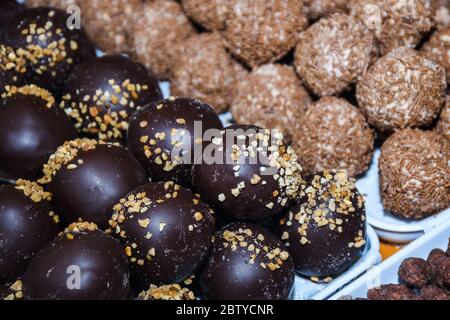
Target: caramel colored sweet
x: 443, y: 125
x: 316, y: 9
x: 438, y: 49
x: 210, y: 14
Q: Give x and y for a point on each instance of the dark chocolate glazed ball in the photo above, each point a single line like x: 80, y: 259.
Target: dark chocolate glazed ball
x: 27, y: 224
x: 82, y: 263
x: 87, y: 178
x: 162, y: 137
x: 8, y: 9
x: 53, y: 48
x: 166, y: 231
x: 12, y: 67
x: 325, y: 231
x: 101, y: 94
x: 247, y: 263
x: 245, y: 180
x: 31, y: 129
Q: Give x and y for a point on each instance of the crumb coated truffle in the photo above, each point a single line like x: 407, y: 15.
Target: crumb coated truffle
x: 262, y: 31
x: 82, y: 263
x: 414, y: 272
x: 434, y: 293
x: 325, y: 231
x: 272, y: 97
x: 439, y: 263
x: 443, y: 125
x: 392, y: 292
x: 159, y: 31
x: 441, y: 13
x: 210, y: 14
x: 438, y: 49
x: 402, y: 89
x: 167, y: 292
x: 316, y: 9
x: 414, y: 173
x: 333, y: 134
x: 101, y: 94
x: 204, y: 70
x: 247, y: 263
x: 59, y: 4
x: 166, y: 232
x: 333, y: 53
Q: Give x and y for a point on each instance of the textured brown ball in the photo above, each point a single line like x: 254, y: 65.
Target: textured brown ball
x: 414, y: 173
x: 262, y: 31
x: 333, y: 134
x: 443, y: 125
x: 210, y: 14
x: 441, y: 13
x: 206, y: 71
x: 438, y: 50
x: 271, y: 97
x: 333, y: 53
x: 402, y: 89
x: 316, y: 9
x: 59, y: 4
x: 159, y: 30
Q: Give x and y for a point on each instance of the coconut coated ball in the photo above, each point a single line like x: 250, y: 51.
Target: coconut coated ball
x: 316, y: 9
x: 438, y: 50
x: 443, y: 125
x: 210, y: 14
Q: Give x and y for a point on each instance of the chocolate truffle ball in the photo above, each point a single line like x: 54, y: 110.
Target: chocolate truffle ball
x: 439, y: 263
x: 325, y: 231
x: 8, y: 9
x: 392, y: 292
x: 248, y: 173
x: 162, y: 136
x: 441, y: 13
x: 263, y: 31
x: 394, y: 23
x: 166, y: 231
x: 82, y: 263
x: 101, y: 94
x: 316, y: 9
x: 12, y: 67
x: 414, y: 272
x: 247, y: 263
x: 333, y: 53
x: 166, y: 292
x: 271, y: 96
x: 87, y: 179
x: 11, y: 292
x: 210, y: 14
x: 59, y: 4
x: 414, y: 173
x: 402, y: 89
x: 159, y: 30
x: 434, y: 293
x: 333, y: 134
x: 54, y: 48
x: 27, y: 224
x: 31, y: 128
x: 206, y: 71
x: 438, y: 49
x: 443, y: 125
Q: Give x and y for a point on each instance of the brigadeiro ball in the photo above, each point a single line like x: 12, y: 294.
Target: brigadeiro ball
x: 210, y: 14
x: 333, y: 134
x: 414, y: 173
x: 54, y: 48
x: 87, y: 178
x: 207, y: 72
x: 316, y: 9
x: 333, y: 53
x: 439, y: 263
x: 441, y: 13
x: 162, y: 136
x: 263, y: 31
x: 82, y: 263
x: 271, y: 96
x: 325, y: 231
x: 166, y: 231
x: 166, y: 292
x: 8, y: 9
x: 414, y: 272
x: 101, y: 94
x: 248, y: 173
x: 392, y: 292
x: 12, y: 67
x: 438, y: 49
x: 247, y: 263
x: 27, y: 224
x: 402, y: 89
x: 31, y: 128
x: 159, y: 30
x: 443, y: 125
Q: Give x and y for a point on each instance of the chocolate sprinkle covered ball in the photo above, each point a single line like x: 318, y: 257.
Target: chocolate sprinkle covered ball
x: 87, y: 178
x: 210, y: 14
x: 316, y: 9
x: 247, y: 263
x: 31, y: 128
x: 333, y: 134
x: 402, y: 89
x: 162, y: 136
x: 53, y: 47
x: 101, y: 95
x: 271, y: 96
x: 414, y: 173
x: 159, y: 31
x: 438, y: 49
x: 443, y: 125
x: 166, y: 231
x: 82, y: 263
x: 206, y: 71
x: 12, y: 67
x: 250, y: 173
x: 262, y: 31
x: 325, y: 231
x: 333, y: 53
x: 441, y: 13
x: 166, y: 292
x: 8, y: 9
x: 27, y: 224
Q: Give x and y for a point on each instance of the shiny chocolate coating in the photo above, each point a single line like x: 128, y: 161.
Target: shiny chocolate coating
x: 8, y: 9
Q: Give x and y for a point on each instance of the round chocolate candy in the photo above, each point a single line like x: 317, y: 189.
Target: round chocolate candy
x: 81, y: 263
x: 325, y: 231
x: 247, y: 263
x: 87, y: 178
x: 249, y: 174
x: 102, y: 93
x: 162, y: 136
x: 27, y: 224
x: 8, y: 9
x: 166, y: 231
x: 31, y: 129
